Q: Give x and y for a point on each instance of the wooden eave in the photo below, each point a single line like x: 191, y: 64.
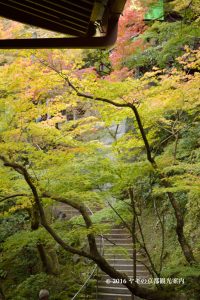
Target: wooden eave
x: 79, y: 19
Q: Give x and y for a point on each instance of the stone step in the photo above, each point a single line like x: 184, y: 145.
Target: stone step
x: 129, y: 268
x: 114, y: 242
x: 142, y: 281
x: 125, y: 244
x: 121, y: 243
x: 108, y: 255
x: 121, y: 261
x: 113, y: 296
x: 123, y: 255
x: 116, y: 251
x: 118, y: 232
x: 104, y: 277
x: 121, y: 231
x: 117, y: 235
x: 129, y: 271
x: 110, y: 284
x: 110, y: 289
x: 124, y: 262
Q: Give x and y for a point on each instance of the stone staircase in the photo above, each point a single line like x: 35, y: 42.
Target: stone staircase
x: 109, y: 288
x: 118, y: 251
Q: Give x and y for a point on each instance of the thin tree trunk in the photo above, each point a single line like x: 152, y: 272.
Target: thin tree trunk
x: 186, y: 249
x: 47, y: 263
x: 49, y: 260
x: 35, y: 217
x: 175, y: 147
x: 161, y: 221
x: 134, y: 243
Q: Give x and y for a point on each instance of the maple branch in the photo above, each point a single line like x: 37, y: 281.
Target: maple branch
x: 12, y: 196
x: 81, y: 94
x: 146, y: 266
x: 120, y: 217
x: 143, y: 134
x: 22, y: 170
x: 92, y: 97
x: 83, y: 210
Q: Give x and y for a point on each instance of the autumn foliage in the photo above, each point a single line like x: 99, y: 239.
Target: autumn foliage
x: 72, y: 135
x: 131, y: 25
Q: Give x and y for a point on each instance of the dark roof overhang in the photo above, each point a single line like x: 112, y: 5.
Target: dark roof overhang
x: 90, y: 23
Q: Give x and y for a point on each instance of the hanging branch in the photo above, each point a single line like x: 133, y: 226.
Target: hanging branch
x: 147, y: 267
x: 143, y: 244
x: 143, y: 134
x: 22, y: 170
x: 122, y: 219
x: 83, y: 210
x: 12, y: 196
x: 162, y: 235
x: 134, y: 237
x: 78, y: 93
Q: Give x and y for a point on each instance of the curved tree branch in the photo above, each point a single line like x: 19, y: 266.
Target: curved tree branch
x: 22, y: 170
x: 134, y: 288
x: 12, y: 196
x: 83, y: 210
x: 78, y: 93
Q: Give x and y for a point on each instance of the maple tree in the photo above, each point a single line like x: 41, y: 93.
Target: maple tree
x: 39, y: 151
x: 51, y: 153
